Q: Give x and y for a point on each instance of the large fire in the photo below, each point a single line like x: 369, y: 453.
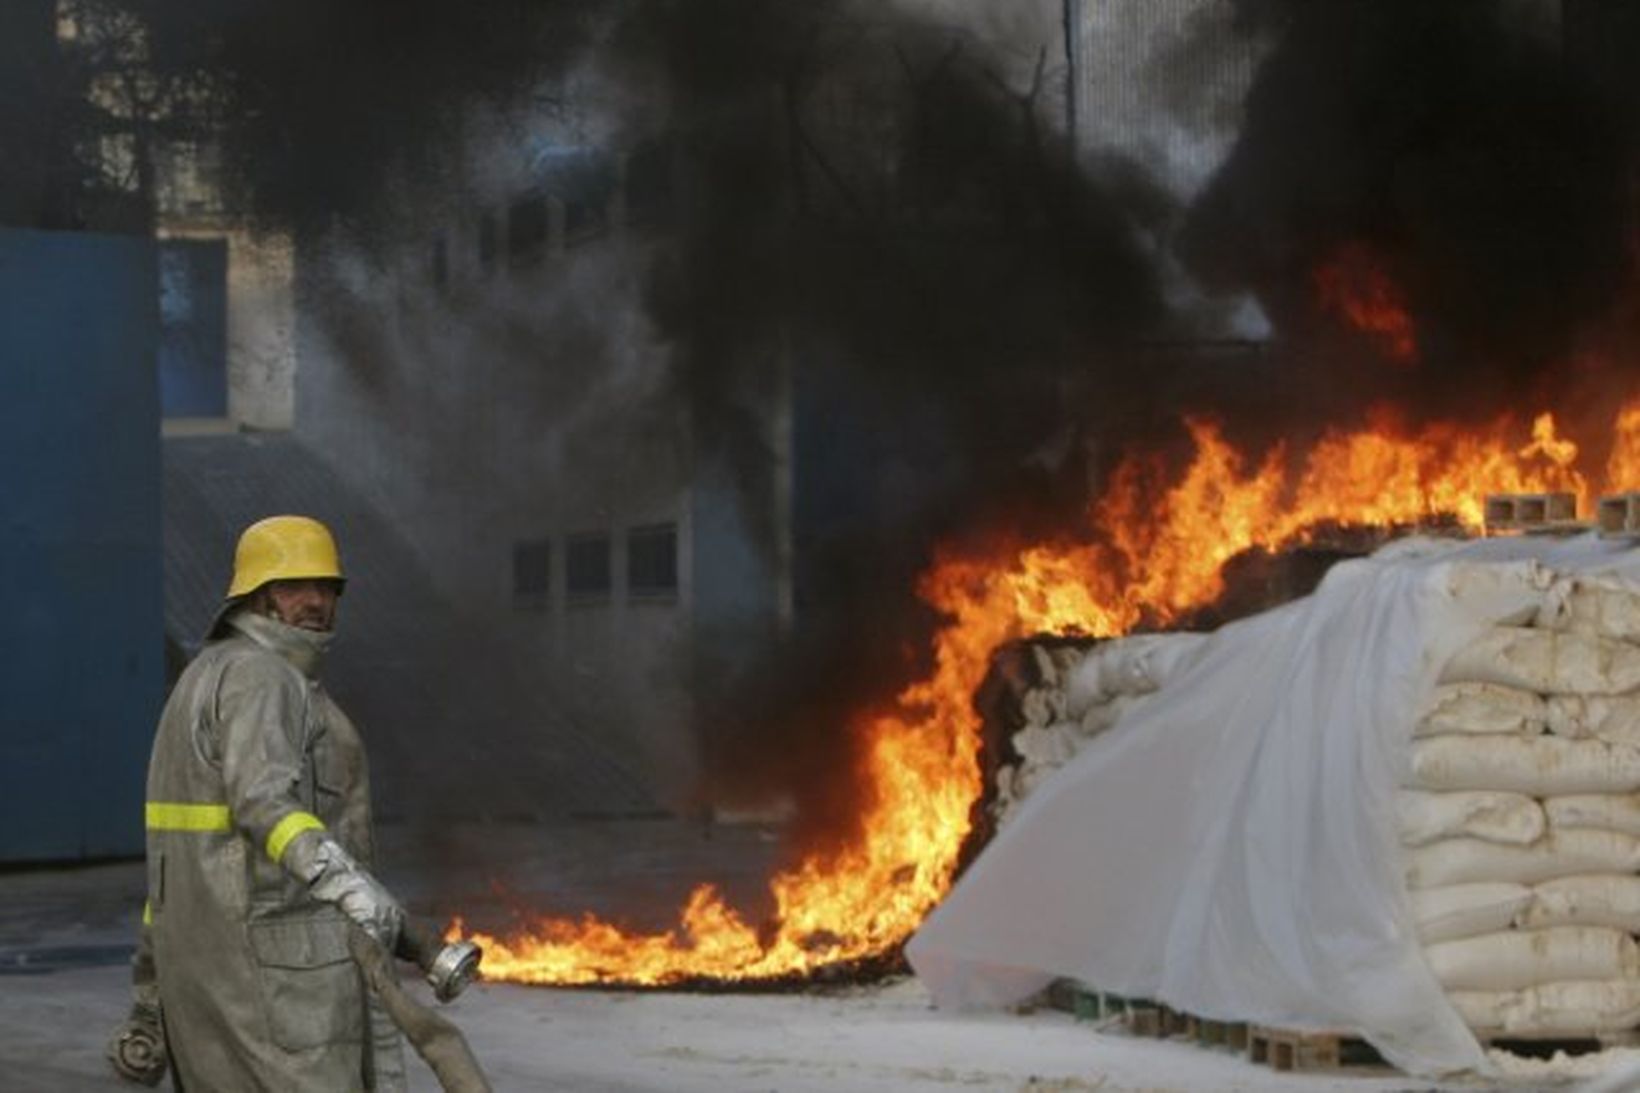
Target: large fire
x: 1168, y: 538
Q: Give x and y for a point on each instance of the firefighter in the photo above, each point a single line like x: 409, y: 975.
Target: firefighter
x: 259, y: 845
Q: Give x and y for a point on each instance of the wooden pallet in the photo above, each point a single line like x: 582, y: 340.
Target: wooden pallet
x: 1280, y: 1049
x: 1287, y: 1049
x: 1144, y: 1016
x: 1138, y: 1015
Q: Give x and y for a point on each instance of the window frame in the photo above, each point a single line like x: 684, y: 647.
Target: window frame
x: 645, y: 591
x: 578, y: 542
x: 533, y: 598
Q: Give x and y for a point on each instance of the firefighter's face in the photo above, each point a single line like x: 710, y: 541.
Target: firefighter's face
x: 309, y: 604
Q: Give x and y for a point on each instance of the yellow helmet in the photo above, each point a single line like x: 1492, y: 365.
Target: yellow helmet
x: 283, y: 548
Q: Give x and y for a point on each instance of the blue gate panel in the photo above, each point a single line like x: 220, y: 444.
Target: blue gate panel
x: 82, y: 653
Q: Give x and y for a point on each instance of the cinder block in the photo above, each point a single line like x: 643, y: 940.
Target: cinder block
x: 1500, y: 512
x: 1542, y: 509
x: 1619, y: 514
x: 1529, y: 511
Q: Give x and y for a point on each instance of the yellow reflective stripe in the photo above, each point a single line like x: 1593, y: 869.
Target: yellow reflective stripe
x: 171, y: 816
x: 147, y: 913
x: 287, y: 829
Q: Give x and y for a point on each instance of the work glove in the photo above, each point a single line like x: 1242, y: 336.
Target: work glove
x: 137, y: 1048
x: 333, y: 876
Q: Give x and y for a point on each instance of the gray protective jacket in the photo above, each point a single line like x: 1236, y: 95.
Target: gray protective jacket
x: 255, y: 981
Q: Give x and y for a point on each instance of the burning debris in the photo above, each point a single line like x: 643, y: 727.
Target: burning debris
x: 924, y: 759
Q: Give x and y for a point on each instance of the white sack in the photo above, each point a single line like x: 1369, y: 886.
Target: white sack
x: 1014, y: 784
x: 1081, y: 684
x: 1560, y: 853
x: 1051, y: 744
x: 1422, y: 817
x: 1102, y: 715
x: 1514, y: 959
x: 1484, y: 1010
x: 1608, y: 717
x: 1229, y: 847
x: 1047, y: 666
x: 1129, y: 666
x: 1512, y: 586
x: 1042, y: 706
x: 1482, y: 708
x: 1593, y: 603
x: 1464, y: 910
x: 1042, y: 751
x: 1612, y: 811
x: 1538, y: 765
x: 1576, y: 1007
x: 1594, y: 899
x: 1548, y: 661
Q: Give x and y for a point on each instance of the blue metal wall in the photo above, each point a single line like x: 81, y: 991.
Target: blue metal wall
x: 81, y: 647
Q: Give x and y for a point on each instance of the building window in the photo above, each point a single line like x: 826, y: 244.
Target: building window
x: 528, y: 224
x: 652, y: 561
x: 586, y: 567
x: 489, y: 241
x: 532, y: 573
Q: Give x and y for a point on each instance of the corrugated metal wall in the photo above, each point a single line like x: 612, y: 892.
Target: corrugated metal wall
x: 82, y: 645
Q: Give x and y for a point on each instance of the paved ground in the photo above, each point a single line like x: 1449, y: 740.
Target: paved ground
x: 65, y: 935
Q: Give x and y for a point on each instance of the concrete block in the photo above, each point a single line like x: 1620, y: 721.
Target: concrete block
x: 1500, y: 512
x: 1618, y: 514
x: 1529, y: 511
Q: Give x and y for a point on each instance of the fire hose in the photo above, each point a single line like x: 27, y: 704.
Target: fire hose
x: 138, y: 1053
x: 449, y: 968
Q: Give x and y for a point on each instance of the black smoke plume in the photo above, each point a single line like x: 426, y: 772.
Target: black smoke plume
x: 1482, y: 150
x: 929, y: 278
x: 879, y: 214
x: 874, y: 212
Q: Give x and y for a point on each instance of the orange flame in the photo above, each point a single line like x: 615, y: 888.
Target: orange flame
x: 1166, y: 546
x: 1623, y: 464
x: 1353, y: 286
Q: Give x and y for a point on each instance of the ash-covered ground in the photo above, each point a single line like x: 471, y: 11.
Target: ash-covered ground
x: 65, y: 933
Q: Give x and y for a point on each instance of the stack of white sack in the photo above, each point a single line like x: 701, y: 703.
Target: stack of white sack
x: 1233, y: 847
x: 1081, y: 693
x: 1521, y: 818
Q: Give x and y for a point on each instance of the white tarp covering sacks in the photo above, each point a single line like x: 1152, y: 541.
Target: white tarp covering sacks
x: 1231, y: 846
